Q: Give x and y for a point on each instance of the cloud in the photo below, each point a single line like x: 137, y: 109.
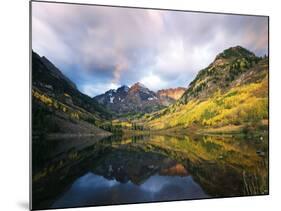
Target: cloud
x: 152, y: 81
x: 97, y: 45
x: 98, y: 88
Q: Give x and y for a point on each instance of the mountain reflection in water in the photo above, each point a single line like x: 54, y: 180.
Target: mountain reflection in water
x: 92, y: 189
x: 116, y: 170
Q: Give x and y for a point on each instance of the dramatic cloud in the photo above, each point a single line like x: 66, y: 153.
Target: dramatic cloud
x: 104, y: 47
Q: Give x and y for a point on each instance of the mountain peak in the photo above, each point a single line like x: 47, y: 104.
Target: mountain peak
x: 123, y: 88
x: 137, y: 87
x: 222, y: 73
x: 111, y: 91
x: 235, y: 52
x: 138, y: 84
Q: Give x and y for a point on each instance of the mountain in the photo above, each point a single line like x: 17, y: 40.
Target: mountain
x: 231, y: 93
x: 221, y: 74
x: 136, y: 99
x: 54, y: 71
x: 58, y: 106
x: 50, y: 80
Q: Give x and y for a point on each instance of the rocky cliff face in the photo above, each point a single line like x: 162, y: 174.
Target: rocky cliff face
x: 173, y: 93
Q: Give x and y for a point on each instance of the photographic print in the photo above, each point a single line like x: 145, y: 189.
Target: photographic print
x: 135, y: 105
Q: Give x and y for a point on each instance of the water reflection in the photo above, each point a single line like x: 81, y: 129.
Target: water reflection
x: 116, y: 170
x: 92, y: 189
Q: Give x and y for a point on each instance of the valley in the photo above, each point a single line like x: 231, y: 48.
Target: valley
x: 209, y: 135
x: 230, y: 95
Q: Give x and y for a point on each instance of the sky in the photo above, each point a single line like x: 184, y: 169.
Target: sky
x: 101, y: 48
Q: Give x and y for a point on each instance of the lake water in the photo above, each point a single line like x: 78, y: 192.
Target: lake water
x: 116, y: 170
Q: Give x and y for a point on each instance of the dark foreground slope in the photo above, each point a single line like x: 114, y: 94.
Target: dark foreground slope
x: 58, y: 106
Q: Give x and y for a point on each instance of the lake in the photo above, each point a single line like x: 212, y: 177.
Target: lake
x: 129, y: 169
